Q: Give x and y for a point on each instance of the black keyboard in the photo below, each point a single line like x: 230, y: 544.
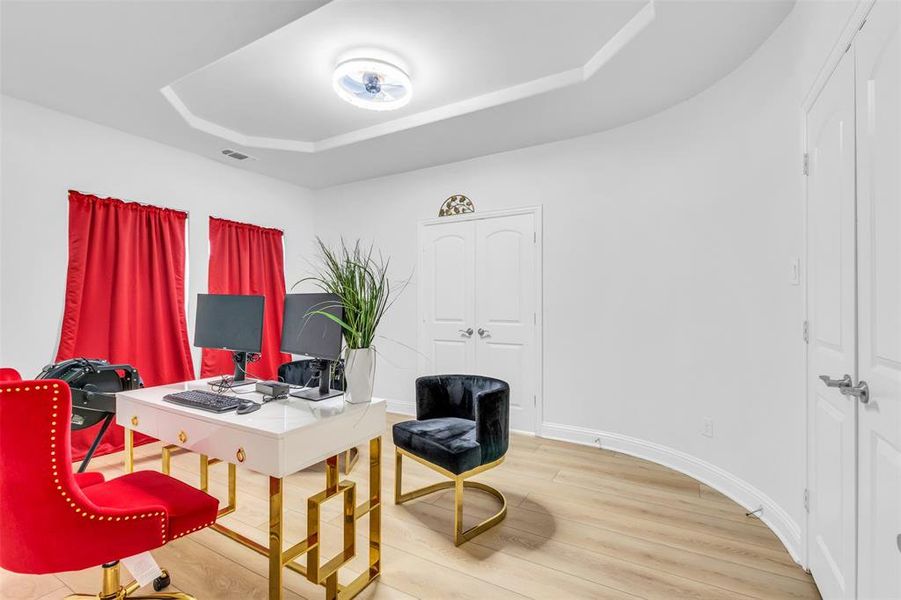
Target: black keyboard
x: 204, y: 400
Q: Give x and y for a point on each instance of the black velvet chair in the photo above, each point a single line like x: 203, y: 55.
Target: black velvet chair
x: 462, y: 428
x: 306, y: 373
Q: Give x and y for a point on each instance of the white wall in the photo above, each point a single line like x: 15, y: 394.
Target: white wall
x: 667, y: 253
x: 46, y: 153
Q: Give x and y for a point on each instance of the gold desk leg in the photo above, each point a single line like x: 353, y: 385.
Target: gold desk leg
x: 232, y: 489
x: 129, y: 451
x: 351, y: 456
x: 331, y: 485
x: 205, y: 463
x: 204, y: 472
x: 166, y: 455
x: 275, y: 538
x: 373, y: 507
x: 279, y: 558
x: 375, y: 501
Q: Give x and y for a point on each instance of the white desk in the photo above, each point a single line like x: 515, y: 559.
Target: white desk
x: 281, y: 438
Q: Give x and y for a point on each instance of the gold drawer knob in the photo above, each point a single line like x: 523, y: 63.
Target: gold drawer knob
x: 240, y: 455
x: 134, y: 421
x: 182, y: 437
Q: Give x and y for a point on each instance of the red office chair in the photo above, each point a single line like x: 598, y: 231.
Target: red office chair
x: 52, y: 520
x: 9, y: 374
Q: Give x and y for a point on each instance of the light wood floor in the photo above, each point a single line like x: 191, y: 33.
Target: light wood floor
x: 582, y: 523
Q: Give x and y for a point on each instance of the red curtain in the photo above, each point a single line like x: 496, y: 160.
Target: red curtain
x: 125, y: 296
x: 248, y: 259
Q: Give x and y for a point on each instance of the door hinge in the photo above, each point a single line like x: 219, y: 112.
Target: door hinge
x: 807, y: 500
x: 534, y: 237
x: 534, y: 318
x: 805, y: 164
x: 805, y: 332
x: 534, y: 399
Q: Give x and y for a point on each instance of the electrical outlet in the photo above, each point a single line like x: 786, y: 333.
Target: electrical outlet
x: 708, y: 428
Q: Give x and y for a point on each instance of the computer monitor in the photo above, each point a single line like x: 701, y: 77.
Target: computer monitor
x: 230, y: 322
x: 306, y: 332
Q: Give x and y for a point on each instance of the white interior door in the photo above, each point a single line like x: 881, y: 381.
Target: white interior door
x: 506, y: 310
x: 447, y: 298
x: 832, y: 478
x: 878, y: 53
x: 479, y: 290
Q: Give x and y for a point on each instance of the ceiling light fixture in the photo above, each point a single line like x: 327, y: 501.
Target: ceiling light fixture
x: 372, y: 84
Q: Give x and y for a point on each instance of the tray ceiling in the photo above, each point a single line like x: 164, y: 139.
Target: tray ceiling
x: 254, y: 75
x: 462, y: 56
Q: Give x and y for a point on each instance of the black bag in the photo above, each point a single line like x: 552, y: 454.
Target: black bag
x: 93, y: 383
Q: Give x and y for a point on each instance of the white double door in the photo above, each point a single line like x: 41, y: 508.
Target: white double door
x: 854, y: 309
x: 478, y: 303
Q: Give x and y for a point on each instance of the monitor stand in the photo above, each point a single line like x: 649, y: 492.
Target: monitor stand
x: 323, y: 391
x: 240, y: 377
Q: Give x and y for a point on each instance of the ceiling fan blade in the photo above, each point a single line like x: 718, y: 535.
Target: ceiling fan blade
x: 353, y: 86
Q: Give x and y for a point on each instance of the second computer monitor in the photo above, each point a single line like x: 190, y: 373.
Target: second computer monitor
x: 315, y: 335
x: 307, y: 332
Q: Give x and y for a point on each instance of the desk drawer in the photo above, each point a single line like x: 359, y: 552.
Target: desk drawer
x: 256, y: 452
x: 136, y: 417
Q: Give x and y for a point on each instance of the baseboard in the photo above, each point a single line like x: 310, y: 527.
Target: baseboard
x: 401, y: 407
x: 743, y: 493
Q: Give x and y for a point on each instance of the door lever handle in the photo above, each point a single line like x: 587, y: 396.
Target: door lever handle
x: 861, y: 391
x: 483, y: 332
x: 844, y: 382
x: 467, y: 332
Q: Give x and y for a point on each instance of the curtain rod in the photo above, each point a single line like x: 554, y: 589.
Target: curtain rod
x: 243, y: 222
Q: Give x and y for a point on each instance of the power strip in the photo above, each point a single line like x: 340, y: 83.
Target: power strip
x: 273, y: 389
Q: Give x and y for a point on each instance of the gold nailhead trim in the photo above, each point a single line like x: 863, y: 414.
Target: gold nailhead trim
x: 78, y: 510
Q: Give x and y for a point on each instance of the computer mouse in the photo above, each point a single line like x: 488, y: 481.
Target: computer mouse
x: 247, y: 406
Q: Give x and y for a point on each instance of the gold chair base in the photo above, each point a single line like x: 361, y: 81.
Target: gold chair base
x: 457, y: 483
x: 113, y: 590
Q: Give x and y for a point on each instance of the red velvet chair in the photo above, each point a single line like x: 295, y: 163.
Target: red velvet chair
x: 9, y: 374
x: 52, y: 520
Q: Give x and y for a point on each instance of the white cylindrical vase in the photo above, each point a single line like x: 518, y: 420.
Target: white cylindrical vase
x: 359, y: 375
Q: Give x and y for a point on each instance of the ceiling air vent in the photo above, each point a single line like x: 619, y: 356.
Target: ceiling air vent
x: 236, y: 155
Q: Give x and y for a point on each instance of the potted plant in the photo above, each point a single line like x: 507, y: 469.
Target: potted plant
x: 359, y: 278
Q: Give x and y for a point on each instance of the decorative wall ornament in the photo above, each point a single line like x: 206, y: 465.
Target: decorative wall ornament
x: 456, y: 205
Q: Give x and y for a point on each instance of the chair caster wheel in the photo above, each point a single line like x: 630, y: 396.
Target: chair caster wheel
x: 161, y: 582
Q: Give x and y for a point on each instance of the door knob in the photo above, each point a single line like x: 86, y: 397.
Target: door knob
x: 844, y: 382
x: 861, y: 391
x: 466, y: 332
x: 482, y: 332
